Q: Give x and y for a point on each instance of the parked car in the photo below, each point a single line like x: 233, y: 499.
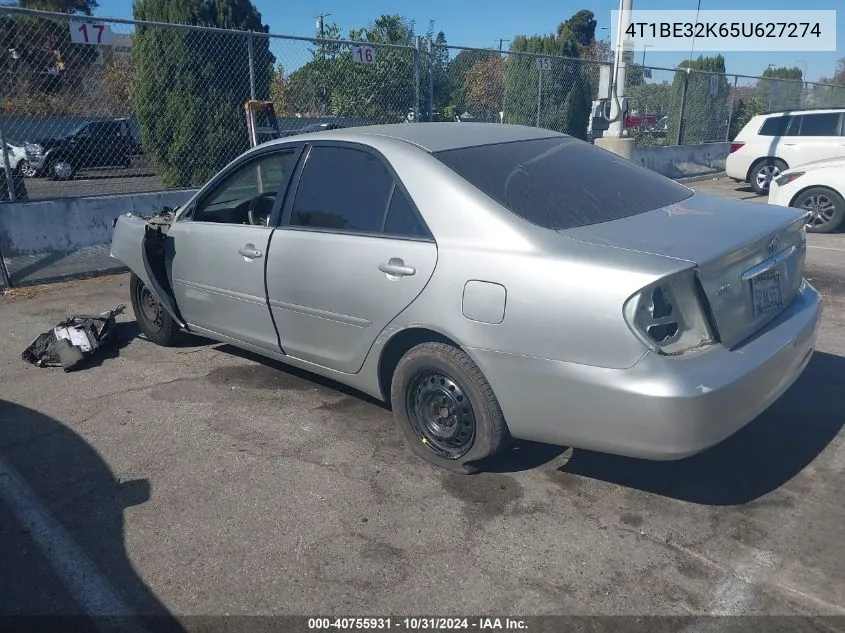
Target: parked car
x: 772, y: 143
x: 817, y: 188
x: 490, y: 282
x: 17, y: 155
x: 97, y: 144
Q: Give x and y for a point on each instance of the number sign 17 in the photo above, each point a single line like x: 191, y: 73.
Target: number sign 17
x: 364, y: 54
x: 90, y: 33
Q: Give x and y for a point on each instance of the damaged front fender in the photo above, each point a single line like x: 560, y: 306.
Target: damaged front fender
x: 141, y: 244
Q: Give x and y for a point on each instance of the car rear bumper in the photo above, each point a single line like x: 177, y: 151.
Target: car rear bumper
x: 661, y: 408
x: 737, y: 166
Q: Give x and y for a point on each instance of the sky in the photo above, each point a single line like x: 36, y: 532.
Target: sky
x: 480, y: 23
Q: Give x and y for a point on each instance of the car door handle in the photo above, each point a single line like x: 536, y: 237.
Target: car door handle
x: 250, y: 252
x: 397, y: 268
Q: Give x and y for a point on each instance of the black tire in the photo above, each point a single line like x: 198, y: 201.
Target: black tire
x: 826, y: 206
x: 51, y: 170
x: 155, y: 322
x: 763, y: 172
x: 439, y: 375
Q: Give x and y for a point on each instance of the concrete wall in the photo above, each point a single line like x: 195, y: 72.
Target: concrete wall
x: 47, y: 240
x: 681, y: 161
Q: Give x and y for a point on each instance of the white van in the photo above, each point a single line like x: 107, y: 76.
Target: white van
x: 777, y: 141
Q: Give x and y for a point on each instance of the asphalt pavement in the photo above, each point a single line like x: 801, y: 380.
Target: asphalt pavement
x: 203, y: 480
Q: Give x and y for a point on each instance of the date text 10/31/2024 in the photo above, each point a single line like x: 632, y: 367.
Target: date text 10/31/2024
x: 418, y: 624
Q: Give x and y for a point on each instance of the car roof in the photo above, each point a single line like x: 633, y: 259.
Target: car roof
x: 802, y: 111
x: 436, y: 137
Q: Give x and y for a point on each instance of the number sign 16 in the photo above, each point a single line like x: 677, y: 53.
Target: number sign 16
x: 90, y: 33
x: 364, y: 54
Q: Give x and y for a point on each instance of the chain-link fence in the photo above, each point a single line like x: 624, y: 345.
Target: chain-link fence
x: 97, y: 106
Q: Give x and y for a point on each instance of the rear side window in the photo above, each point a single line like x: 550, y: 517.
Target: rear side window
x: 775, y: 126
x: 819, y: 124
x: 342, y: 188
x: 401, y: 219
x: 562, y: 182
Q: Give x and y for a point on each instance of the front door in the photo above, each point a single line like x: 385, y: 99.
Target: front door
x: 352, y: 254
x: 217, y: 255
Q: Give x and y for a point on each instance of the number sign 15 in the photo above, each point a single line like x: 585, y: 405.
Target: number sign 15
x: 364, y: 54
x: 544, y: 63
x: 90, y: 33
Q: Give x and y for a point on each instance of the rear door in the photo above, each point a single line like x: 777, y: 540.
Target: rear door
x: 218, y: 252
x: 351, y: 254
x: 813, y: 137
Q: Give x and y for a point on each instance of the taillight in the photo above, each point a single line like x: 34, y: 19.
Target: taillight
x: 735, y: 146
x: 668, y: 316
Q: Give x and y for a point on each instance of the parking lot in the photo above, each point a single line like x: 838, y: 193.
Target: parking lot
x: 204, y: 480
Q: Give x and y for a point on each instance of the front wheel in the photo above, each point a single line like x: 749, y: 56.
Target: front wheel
x: 155, y: 322
x: 27, y: 170
x: 764, y: 172
x: 825, y: 209
x: 445, y: 408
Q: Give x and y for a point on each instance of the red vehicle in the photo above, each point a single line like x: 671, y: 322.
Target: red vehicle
x: 637, y: 121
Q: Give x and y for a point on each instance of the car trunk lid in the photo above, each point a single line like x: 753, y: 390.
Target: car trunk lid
x: 749, y: 257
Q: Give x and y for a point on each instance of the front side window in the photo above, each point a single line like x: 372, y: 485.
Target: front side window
x: 343, y: 189
x: 247, y: 195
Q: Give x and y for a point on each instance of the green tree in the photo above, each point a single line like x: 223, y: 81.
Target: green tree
x: 582, y: 27
x: 557, y: 98
x: 706, y: 106
x: 781, y: 88
x: 190, y: 87
x: 485, y: 84
x: 381, y: 91
x: 456, y: 75
x: 43, y: 70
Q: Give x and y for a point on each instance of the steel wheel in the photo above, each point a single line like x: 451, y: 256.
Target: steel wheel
x: 821, y: 210
x: 440, y: 413
x: 765, y: 174
x: 150, y: 307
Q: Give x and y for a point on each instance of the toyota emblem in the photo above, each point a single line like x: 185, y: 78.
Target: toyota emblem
x: 773, y: 245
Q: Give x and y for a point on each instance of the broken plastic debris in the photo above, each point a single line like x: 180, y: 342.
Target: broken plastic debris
x: 72, y: 340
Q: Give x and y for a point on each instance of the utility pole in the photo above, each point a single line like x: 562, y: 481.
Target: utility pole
x: 500, y: 40
x: 321, y: 32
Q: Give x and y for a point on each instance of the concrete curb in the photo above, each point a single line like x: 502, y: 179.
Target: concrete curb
x: 701, y: 177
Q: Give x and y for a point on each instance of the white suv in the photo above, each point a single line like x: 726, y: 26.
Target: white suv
x: 774, y: 142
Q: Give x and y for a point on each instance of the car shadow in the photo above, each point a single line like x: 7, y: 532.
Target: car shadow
x: 302, y: 374
x: 62, y: 532
x: 761, y: 457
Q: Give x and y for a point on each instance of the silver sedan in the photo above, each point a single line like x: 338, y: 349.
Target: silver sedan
x: 490, y: 282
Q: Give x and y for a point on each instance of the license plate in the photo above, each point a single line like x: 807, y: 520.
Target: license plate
x: 765, y: 292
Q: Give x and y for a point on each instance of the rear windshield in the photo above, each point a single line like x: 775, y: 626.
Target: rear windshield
x: 562, y: 182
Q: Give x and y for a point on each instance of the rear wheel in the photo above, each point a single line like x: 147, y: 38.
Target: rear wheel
x: 155, y: 322
x: 60, y: 169
x: 825, y: 208
x: 763, y: 172
x: 445, y: 408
